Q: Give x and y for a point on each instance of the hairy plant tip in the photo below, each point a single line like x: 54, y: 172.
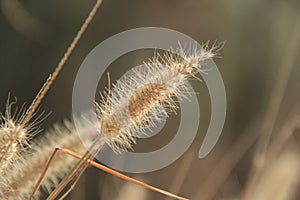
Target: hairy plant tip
x: 21, y: 180
x: 14, y: 138
x: 144, y: 96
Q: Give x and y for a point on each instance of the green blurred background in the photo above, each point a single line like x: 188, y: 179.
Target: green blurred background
x: 35, y: 34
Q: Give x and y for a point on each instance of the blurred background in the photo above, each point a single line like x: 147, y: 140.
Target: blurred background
x: 257, y: 156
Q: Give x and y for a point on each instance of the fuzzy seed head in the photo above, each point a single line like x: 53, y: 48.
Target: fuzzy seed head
x: 142, y: 100
x: 12, y: 142
x: 139, y: 100
x: 109, y: 126
x: 19, y: 181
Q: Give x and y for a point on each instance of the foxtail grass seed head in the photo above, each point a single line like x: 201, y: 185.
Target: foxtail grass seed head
x: 15, y: 131
x: 139, y: 100
x: 13, y: 138
x: 20, y: 181
x: 135, y: 103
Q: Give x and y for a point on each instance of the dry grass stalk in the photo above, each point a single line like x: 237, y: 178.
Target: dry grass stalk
x: 15, y: 131
x: 139, y: 100
x: 21, y: 179
x: 121, y: 119
x: 43, y: 91
x: 129, y: 191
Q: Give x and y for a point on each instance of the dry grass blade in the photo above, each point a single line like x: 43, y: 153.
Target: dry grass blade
x: 224, y: 167
x: 284, y: 72
x: 276, y: 146
x: 285, y: 69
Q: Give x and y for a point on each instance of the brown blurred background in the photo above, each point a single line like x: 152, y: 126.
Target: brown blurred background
x: 262, y: 39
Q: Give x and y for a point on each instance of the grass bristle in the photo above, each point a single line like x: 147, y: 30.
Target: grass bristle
x: 139, y: 100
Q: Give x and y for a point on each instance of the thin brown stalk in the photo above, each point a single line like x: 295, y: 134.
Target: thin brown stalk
x: 43, y: 91
x: 21, y: 180
x: 138, y: 102
x: 21, y: 127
